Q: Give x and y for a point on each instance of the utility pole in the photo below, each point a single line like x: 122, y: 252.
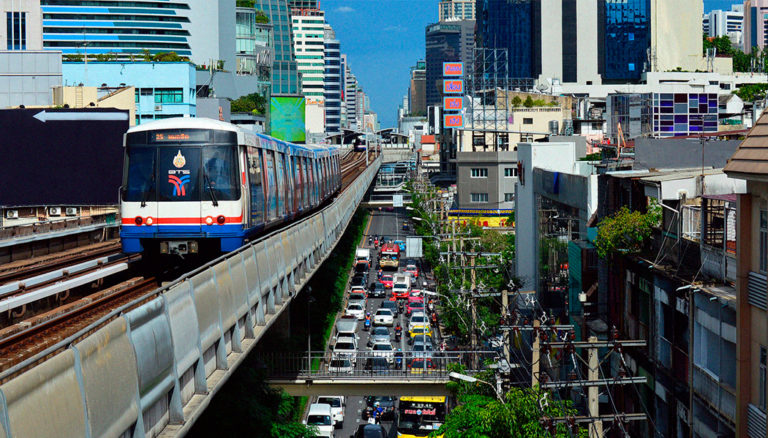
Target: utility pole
x: 536, y: 352
x: 596, y: 427
x: 505, y: 314
x: 473, y: 303
x: 453, y: 241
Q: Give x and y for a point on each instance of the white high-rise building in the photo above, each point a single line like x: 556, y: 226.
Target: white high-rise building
x: 718, y: 23
x: 308, y: 26
x: 350, y: 98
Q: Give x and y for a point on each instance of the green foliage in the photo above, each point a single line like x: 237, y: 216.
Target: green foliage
x: 251, y: 103
x: 516, y: 101
x: 73, y: 58
x: 722, y: 44
x: 261, y: 17
x: 146, y: 55
x: 528, y: 102
x: 169, y: 57
x: 245, y: 3
x: 105, y: 57
x: 481, y: 414
x: 751, y: 92
x: 625, y: 231
x: 595, y: 156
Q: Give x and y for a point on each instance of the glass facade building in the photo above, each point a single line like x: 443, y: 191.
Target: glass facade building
x: 443, y: 44
x: 334, y: 82
x: 285, y: 77
x: 253, y: 44
x: 121, y: 28
x: 512, y: 25
x: 661, y: 114
x: 627, y: 39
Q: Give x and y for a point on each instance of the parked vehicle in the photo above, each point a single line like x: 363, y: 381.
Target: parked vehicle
x: 337, y: 404
x: 320, y: 416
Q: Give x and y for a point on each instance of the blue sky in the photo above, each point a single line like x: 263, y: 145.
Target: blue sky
x: 383, y: 38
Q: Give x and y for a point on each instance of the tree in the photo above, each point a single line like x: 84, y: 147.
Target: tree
x: 722, y: 44
x: 528, y: 102
x: 751, y: 92
x: 516, y: 101
x: 251, y: 103
x: 626, y: 231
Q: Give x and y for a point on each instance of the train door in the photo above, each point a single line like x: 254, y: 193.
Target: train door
x: 290, y: 182
x: 324, y: 164
x: 280, y: 184
x: 269, y: 164
x: 179, y: 189
x: 256, y: 186
x: 298, y: 183
x: 307, y: 183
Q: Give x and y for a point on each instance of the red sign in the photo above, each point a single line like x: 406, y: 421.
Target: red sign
x: 453, y: 103
x: 453, y: 121
x: 453, y: 86
x: 453, y: 69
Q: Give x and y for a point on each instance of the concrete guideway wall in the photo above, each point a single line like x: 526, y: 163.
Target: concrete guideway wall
x: 151, y: 371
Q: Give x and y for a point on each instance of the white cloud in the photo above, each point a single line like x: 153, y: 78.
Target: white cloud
x: 344, y: 9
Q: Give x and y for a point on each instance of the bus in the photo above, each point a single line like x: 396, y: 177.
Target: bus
x: 420, y: 416
x: 389, y: 257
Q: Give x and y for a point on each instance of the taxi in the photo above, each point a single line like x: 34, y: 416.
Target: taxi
x: 420, y: 330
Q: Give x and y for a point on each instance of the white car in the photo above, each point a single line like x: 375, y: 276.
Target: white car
x: 320, y: 416
x: 383, y: 317
x: 337, y: 404
x: 345, y: 349
x: 383, y: 349
x: 420, y: 320
x: 341, y: 366
x: 355, y: 309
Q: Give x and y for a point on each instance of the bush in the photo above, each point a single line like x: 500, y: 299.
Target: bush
x: 626, y: 231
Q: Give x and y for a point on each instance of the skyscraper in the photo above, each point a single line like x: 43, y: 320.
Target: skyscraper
x: 456, y: 10
x: 515, y: 26
x: 718, y: 23
x: 417, y: 99
x: 285, y: 77
x: 333, y: 82
x: 308, y: 27
x: 755, y: 24
x: 446, y: 42
x: 627, y: 39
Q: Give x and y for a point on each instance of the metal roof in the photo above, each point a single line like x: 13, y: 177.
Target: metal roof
x: 750, y: 161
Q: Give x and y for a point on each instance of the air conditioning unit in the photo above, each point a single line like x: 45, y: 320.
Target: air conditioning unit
x: 158, y: 107
x: 11, y: 214
x: 71, y: 211
x: 54, y: 211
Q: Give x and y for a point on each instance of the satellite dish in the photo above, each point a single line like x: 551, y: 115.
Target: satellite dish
x: 542, y: 87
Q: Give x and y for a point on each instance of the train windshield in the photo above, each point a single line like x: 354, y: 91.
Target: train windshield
x: 181, y: 173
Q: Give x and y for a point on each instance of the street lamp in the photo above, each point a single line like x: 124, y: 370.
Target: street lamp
x: 458, y: 376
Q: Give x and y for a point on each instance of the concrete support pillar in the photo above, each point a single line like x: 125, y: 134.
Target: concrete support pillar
x: 743, y: 311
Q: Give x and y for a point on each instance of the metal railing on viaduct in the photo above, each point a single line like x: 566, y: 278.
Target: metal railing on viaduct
x: 152, y: 370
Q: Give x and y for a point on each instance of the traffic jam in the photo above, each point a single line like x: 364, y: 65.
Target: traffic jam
x: 389, y: 327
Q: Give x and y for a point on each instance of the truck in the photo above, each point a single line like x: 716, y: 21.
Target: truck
x: 363, y: 255
x: 390, y: 256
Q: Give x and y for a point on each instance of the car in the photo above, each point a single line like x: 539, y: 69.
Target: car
x: 401, y: 244
x: 420, y: 365
x: 346, y: 349
x: 378, y: 365
x: 383, y: 349
x: 370, y: 431
x: 401, y: 286
x: 420, y: 349
x: 358, y: 297
x: 416, y: 320
x: 387, y: 281
x: 415, y: 293
x: 386, y: 402
x: 320, y: 416
x: 361, y: 269
x: 383, y: 317
x: 425, y: 339
x: 414, y: 305
x: 411, y: 268
x: 391, y: 305
x: 356, y: 309
x: 337, y: 404
x: 420, y: 330
x: 378, y: 290
x: 341, y: 366
x: 379, y: 334
x: 358, y: 282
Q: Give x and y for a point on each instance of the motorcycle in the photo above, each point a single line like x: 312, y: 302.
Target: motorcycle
x: 367, y: 324
x: 398, y: 335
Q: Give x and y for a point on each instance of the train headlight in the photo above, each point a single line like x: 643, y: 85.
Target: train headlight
x: 138, y: 220
x: 150, y: 221
x: 221, y: 219
x: 209, y: 220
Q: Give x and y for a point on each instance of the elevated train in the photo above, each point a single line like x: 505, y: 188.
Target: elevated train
x: 195, y: 184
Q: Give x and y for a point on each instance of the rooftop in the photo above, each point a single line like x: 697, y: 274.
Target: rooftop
x: 750, y: 161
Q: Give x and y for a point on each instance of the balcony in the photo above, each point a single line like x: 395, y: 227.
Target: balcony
x: 717, y: 396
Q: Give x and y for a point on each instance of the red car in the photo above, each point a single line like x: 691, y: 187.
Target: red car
x: 413, y: 270
x: 415, y: 304
x: 387, y: 281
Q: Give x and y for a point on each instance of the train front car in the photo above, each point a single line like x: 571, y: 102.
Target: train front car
x: 183, y: 188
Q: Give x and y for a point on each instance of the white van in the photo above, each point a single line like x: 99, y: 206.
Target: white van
x: 321, y: 417
x: 337, y: 404
x: 401, y: 285
x: 363, y: 255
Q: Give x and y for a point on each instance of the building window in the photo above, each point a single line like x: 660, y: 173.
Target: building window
x: 527, y: 120
x: 763, y: 240
x: 169, y: 95
x: 16, y: 30
x: 510, y: 172
x: 479, y: 197
x: 509, y: 197
x: 763, y: 367
x: 480, y: 172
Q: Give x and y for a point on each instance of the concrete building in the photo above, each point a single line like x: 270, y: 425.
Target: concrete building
x: 350, y: 98
x: 100, y: 97
x: 254, y: 44
x: 417, y: 98
x: 456, y: 10
x: 163, y: 89
x: 486, y: 180
x: 334, y: 80
x: 446, y: 42
x: 28, y: 76
x: 23, y: 28
x: 285, y: 76
x: 719, y: 23
x: 748, y: 163
x: 755, y: 24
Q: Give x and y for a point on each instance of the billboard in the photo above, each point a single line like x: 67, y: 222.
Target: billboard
x: 453, y: 86
x: 453, y: 103
x: 453, y: 69
x: 61, y: 156
x: 287, y: 117
x: 453, y: 121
